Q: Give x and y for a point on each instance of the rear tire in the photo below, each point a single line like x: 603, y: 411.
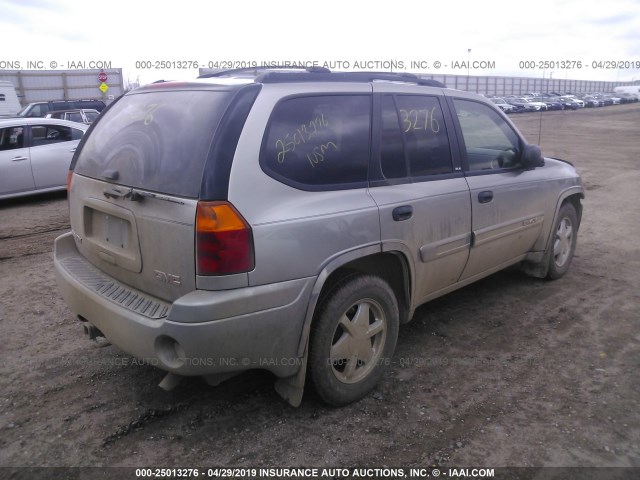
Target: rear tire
x: 353, y: 338
x: 563, y: 244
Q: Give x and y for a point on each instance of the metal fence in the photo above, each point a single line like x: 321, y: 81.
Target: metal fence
x: 501, y: 86
x: 42, y: 85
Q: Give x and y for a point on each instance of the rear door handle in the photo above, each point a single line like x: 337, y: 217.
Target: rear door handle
x: 404, y: 212
x: 485, y: 197
x: 19, y: 159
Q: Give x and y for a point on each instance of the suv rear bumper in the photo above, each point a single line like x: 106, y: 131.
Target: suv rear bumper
x: 260, y: 326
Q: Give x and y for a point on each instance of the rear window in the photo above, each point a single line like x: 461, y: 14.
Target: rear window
x: 155, y: 141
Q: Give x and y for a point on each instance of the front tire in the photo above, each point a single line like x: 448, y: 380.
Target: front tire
x: 563, y: 244
x: 353, y: 338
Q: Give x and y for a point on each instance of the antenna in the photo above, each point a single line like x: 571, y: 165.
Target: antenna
x: 540, y: 128
x: 540, y: 124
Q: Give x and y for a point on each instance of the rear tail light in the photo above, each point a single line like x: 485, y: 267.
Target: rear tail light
x: 224, y: 243
x: 69, y: 177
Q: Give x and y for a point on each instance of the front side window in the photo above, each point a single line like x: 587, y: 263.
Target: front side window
x: 38, y: 110
x: 11, y: 138
x: 319, y: 142
x: 414, y: 139
x: 490, y: 142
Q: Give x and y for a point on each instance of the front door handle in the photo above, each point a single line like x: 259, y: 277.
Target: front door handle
x: 19, y: 159
x: 485, y: 197
x: 404, y: 212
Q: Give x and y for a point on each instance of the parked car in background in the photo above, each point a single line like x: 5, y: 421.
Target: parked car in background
x: 591, y: 101
x: 615, y: 99
x: 551, y: 103
x: 573, y: 99
x: 608, y: 99
x: 568, y: 103
x: 521, y: 103
x: 35, y: 154
x: 86, y: 115
x: 40, y: 109
x: 503, y: 105
x: 605, y: 100
x: 627, y: 97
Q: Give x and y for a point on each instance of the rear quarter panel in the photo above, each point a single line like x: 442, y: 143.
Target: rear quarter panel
x: 296, y: 232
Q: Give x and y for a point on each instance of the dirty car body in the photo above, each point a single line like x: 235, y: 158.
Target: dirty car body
x: 291, y: 221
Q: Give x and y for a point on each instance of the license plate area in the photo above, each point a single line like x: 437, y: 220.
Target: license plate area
x: 110, y: 233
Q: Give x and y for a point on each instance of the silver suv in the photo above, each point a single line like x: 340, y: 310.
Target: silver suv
x: 292, y: 220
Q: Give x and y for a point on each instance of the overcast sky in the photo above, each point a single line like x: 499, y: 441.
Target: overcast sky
x: 370, y: 33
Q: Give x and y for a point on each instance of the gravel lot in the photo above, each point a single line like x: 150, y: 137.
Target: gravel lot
x: 511, y: 371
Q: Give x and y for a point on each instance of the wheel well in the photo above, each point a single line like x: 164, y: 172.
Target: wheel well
x: 575, y: 201
x: 391, y: 267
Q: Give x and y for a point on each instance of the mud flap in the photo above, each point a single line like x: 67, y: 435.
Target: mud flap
x: 537, y: 269
x: 292, y: 388
x: 170, y: 381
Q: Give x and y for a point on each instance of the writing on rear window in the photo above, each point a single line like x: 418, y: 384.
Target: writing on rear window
x: 318, y: 140
x: 302, y: 136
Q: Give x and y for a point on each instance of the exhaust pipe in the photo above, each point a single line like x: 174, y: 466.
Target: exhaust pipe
x: 92, y: 332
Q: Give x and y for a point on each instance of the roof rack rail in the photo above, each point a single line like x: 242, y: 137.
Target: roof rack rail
x: 283, y: 77
x: 269, y: 74
x: 231, y: 71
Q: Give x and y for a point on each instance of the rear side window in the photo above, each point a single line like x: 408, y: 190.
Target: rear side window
x: 414, y: 139
x: 48, y: 134
x: 91, y: 116
x: 74, y: 117
x: 319, y: 142
x: 156, y: 141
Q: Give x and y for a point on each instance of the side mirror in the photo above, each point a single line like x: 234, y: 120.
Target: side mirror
x: 532, y: 157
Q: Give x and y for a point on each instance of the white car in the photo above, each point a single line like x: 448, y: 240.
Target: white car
x: 35, y: 154
x: 574, y: 99
x: 537, y: 105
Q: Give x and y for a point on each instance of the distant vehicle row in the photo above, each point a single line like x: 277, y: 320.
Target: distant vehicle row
x: 536, y: 102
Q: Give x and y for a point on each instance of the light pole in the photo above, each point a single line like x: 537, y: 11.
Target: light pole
x: 468, y: 66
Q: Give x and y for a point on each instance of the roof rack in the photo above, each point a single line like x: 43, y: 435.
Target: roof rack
x: 269, y: 74
x: 232, y: 71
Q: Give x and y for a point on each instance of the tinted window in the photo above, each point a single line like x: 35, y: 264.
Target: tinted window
x: 319, y: 141
x: 47, y: 134
x: 91, y: 116
x: 38, y: 110
x: 76, y: 134
x: 11, y: 138
x: 414, y: 139
x: 490, y: 142
x: 157, y: 141
x: 74, y: 117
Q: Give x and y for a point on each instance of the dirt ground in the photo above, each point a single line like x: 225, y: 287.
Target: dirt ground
x: 511, y: 371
